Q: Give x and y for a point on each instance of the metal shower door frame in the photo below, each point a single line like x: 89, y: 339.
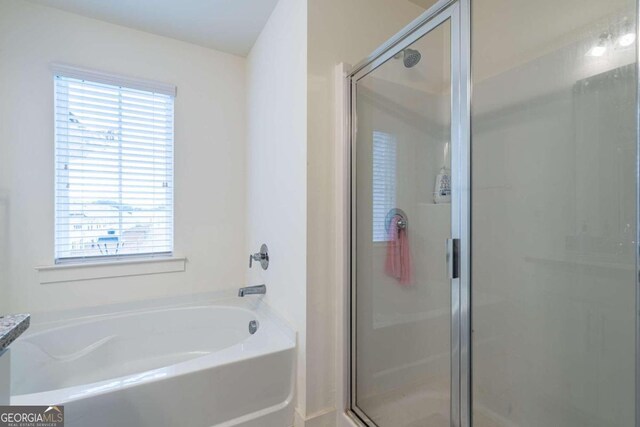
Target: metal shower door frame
x: 458, y: 13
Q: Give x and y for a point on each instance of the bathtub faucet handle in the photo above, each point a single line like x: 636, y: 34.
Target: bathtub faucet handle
x: 253, y: 257
x: 262, y: 256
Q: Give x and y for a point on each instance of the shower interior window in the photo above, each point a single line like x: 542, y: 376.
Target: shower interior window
x: 384, y: 181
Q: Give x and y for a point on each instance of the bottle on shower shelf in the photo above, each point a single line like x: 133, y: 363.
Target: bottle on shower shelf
x: 442, y: 190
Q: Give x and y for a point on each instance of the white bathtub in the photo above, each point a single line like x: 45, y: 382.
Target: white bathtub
x: 193, y: 365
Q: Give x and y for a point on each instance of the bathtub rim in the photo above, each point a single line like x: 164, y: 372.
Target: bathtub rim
x: 275, y: 335
x: 62, y: 324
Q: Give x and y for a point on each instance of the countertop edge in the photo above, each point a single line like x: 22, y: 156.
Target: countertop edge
x: 11, y: 327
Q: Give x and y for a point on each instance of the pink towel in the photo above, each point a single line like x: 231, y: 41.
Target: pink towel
x: 398, y: 262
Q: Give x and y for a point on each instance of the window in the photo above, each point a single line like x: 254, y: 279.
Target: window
x: 113, y: 167
x: 384, y: 182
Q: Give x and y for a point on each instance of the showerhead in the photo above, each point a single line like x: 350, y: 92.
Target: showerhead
x: 410, y: 57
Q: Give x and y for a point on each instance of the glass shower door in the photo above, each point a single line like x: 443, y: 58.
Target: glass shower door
x: 554, y: 213
x: 405, y: 211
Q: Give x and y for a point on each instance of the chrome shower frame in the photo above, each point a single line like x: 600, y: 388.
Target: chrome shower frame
x: 461, y: 317
x: 458, y: 12
x: 637, y: 243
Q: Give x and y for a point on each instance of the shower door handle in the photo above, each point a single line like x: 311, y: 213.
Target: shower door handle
x: 453, y: 258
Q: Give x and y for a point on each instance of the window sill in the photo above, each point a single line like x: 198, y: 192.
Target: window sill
x: 103, y: 270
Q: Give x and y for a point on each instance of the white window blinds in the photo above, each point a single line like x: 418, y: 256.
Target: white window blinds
x: 384, y: 181
x: 113, y: 170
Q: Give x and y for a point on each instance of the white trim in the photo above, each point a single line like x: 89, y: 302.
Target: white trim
x: 342, y: 253
x: 326, y: 418
x: 113, y: 79
x: 102, y: 269
x: 344, y: 420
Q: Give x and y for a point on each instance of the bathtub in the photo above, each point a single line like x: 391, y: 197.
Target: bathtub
x: 189, y: 365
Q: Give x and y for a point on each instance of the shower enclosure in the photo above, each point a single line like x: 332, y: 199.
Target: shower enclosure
x: 494, y: 224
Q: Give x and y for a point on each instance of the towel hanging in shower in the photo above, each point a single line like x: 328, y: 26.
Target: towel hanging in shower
x: 398, y: 261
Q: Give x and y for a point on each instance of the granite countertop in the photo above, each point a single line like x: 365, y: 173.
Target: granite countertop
x: 11, y: 327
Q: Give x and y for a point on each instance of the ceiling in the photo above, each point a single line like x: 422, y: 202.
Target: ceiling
x: 227, y: 25
x: 426, y: 4
x: 505, y: 32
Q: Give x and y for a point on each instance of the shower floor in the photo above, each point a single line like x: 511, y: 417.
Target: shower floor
x: 421, y: 405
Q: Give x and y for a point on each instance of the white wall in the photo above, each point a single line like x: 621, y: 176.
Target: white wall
x: 277, y: 160
x: 209, y: 155
x: 291, y: 169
